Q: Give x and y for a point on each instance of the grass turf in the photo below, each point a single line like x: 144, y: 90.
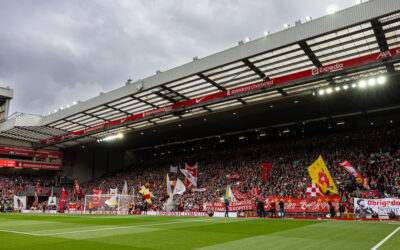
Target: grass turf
x: 38, y: 231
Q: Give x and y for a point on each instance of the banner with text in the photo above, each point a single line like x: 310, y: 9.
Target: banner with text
x: 292, y: 205
x: 380, y: 206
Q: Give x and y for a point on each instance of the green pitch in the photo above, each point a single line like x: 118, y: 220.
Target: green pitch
x: 20, y: 231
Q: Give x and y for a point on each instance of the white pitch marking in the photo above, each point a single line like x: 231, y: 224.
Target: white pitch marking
x: 16, y: 232
x: 385, y: 239
x: 85, y: 231
x: 103, y: 229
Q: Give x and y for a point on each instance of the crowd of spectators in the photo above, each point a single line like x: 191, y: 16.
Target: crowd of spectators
x: 14, y: 184
x: 374, y: 152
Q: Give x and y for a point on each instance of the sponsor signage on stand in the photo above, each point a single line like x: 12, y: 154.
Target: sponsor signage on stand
x: 38, y: 165
x: 7, y: 163
x: 9, y: 150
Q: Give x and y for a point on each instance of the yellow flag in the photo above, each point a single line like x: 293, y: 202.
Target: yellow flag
x: 320, y: 175
x: 146, y: 194
x: 169, y: 188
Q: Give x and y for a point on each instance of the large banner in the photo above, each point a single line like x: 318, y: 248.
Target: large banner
x: 292, y: 205
x: 19, y: 202
x: 380, y: 206
x: 235, y: 206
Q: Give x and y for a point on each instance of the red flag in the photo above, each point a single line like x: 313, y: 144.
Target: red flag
x: 96, y: 197
x: 235, y: 176
x: 191, y: 175
x: 77, y: 189
x: 374, y: 193
x: 73, y: 206
x: 266, y: 170
x: 36, y: 202
x: 63, y: 199
x: 363, y: 181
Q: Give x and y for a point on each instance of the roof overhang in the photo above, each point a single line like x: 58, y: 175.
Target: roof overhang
x: 363, y: 31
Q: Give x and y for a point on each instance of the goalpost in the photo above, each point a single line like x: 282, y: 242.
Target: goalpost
x: 107, y: 203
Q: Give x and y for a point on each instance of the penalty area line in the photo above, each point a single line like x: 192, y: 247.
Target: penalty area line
x: 385, y: 239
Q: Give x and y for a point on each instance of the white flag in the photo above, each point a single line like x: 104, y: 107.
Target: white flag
x: 19, y: 202
x: 179, y: 187
x: 229, y: 195
x: 173, y: 169
x: 113, y: 191
x: 189, y: 177
x: 52, y: 201
x: 112, y: 201
x: 169, y: 187
x: 125, y: 189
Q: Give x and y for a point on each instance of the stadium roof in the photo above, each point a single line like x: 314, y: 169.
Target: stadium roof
x: 353, y: 43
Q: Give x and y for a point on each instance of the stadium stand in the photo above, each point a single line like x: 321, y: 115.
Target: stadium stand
x: 335, y: 69
x: 373, y: 151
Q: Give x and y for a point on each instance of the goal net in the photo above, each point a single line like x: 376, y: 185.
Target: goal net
x: 107, y: 203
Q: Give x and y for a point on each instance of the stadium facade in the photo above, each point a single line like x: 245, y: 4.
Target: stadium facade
x: 337, y: 67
